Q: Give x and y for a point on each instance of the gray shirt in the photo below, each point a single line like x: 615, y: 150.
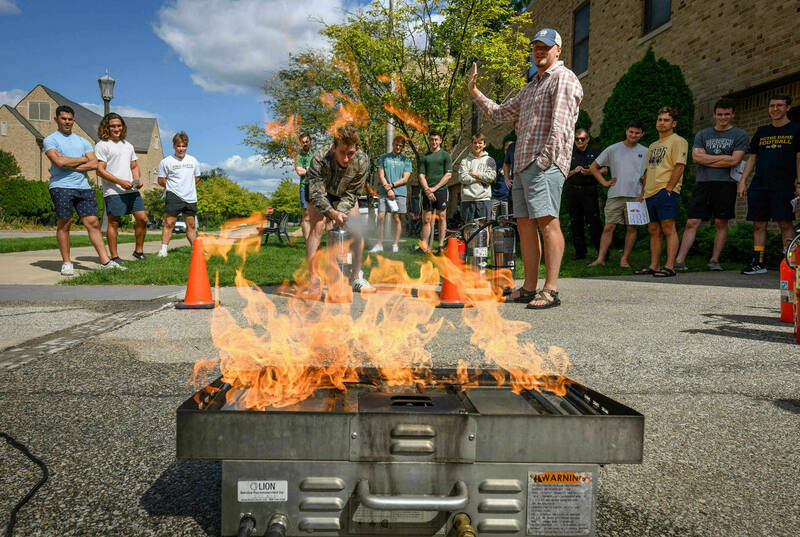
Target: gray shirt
x: 716, y: 142
x: 627, y: 165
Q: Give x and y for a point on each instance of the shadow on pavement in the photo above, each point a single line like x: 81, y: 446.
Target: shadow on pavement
x: 55, y: 266
x: 734, y: 325
x: 188, y: 488
x: 727, y: 278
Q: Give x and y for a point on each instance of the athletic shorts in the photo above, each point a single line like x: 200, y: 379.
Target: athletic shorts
x: 662, y: 206
x: 766, y: 205
x: 122, y: 204
x: 82, y: 199
x: 176, y: 205
x: 616, y: 210
x: 537, y: 193
x: 441, y: 200
x: 472, y: 210
x: 303, y: 199
x: 383, y: 205
x: 713, y: 199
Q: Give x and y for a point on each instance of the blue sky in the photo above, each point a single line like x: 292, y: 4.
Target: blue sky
x: 196, y: 65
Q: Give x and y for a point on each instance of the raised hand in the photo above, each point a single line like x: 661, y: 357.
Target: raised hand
x: 473, y: 80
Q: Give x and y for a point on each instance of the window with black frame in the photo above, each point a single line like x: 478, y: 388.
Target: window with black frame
x: 580, y: 43
x: 656, y: 13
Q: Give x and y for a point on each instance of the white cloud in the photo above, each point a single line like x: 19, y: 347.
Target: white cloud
x: 235, y: 46
x: 9, y: 7
x: 11, y: 97
x: 251, y: 173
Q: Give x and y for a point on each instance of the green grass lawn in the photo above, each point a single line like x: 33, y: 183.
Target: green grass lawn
x: 277, y: 262
x: 24, y: 244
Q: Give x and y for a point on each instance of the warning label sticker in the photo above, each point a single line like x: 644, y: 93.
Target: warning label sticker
x: 560, y: 503
x: 263, y: 491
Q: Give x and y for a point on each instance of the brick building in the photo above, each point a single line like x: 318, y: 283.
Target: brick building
x: 743, y: 50
x: 24, y: 127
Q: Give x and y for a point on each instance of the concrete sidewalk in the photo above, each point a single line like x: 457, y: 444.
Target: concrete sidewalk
x: 43, y: 267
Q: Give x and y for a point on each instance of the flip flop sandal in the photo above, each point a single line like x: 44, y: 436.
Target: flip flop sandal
x: 549, y: 297
x: 646, y: 271
x: 664, y: 273
x: 524, y: 296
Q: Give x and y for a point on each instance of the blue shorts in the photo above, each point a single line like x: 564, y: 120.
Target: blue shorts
x: 663, y: 206
x: 303, y: 202
x: 766, y: 205
x: 122, y: 204
x: 82, y: 199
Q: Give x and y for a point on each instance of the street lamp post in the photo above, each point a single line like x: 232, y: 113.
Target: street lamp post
x: 106, y: 91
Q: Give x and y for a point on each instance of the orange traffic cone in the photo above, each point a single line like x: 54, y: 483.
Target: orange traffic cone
x: 198, y: 288
x: 451, y: 296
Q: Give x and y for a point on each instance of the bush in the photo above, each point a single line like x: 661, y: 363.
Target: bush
x: 27, y: 200
x: 8, y: 165
x: 648, y: 85
x: 739, y: 246
x: 584, y: 121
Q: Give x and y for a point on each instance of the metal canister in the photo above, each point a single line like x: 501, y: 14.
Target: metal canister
x: 504, y: 245
x: 476, y: 236
x: 340, y: 264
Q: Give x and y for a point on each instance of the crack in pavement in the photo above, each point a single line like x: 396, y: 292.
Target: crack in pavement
x: 62, y: 340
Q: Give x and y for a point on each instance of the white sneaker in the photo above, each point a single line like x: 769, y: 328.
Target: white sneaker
x: 361, y: 285
x: 162, y: 253
x: 377, y: 248
x: 395, y: 248
x: 113, y: 265
x: 67, y: 269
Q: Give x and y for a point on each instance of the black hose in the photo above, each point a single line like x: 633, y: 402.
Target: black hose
x: 29, y: 495
x: 246, y: 526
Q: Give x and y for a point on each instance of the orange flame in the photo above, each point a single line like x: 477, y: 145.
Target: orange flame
x: 399, y: 106
x: 282, y: 353
x: 284, y: 132
x: 348, y: 111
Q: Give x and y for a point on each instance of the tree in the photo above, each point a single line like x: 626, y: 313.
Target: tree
x: 409, y: 64
x: 154, y: 204
x: 8, y: 165
x: 286, y: 197
x: 648, y: 85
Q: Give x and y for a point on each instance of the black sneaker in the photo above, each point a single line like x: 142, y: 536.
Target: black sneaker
x: 116, y: 260
x: 138, y: 255
x: 754, y: 268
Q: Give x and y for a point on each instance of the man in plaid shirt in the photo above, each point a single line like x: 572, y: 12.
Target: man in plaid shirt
x: 546, y: 110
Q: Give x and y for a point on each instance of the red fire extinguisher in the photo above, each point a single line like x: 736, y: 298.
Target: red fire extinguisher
x: 787, y: 277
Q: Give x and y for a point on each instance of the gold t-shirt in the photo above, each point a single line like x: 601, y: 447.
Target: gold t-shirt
x: 662, y: 157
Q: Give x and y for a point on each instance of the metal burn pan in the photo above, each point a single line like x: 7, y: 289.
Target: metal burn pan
x: 439, y: 421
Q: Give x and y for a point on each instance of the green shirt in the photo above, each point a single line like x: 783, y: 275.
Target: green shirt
x: 435, y: 165
x: 303, y: 160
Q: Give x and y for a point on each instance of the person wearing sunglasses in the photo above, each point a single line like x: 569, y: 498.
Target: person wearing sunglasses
x: 580, y: 192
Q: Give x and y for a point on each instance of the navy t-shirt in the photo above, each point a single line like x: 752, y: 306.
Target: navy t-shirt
x: 499, y: 188
x: 776, y: 151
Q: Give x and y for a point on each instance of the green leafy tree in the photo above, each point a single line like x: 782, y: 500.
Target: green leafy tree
x: 648, y: 85
x: 154, y: 204
x: 8, y: 165
x: 286, y: 197
x: 409, y: 65
x: 584, y: 121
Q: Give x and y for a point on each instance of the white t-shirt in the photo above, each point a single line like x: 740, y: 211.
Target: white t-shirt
x: 627, y: 164
x: 180, y: 174
x: 118, y: 157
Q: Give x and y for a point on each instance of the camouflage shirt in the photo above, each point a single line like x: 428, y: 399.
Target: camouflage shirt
x: 325, y: 176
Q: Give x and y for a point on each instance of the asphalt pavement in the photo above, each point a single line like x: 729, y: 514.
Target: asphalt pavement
x: 91, y: 382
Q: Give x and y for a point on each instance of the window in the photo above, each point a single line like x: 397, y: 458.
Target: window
x: 580, y: 44
x: 3, y: 128
x: 38, y: 111
x: 656, y: 13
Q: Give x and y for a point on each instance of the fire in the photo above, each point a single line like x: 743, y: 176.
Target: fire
x: 398, y: 104
x: 284, y: 132
x: 284, y: 352
x: 348, y: 111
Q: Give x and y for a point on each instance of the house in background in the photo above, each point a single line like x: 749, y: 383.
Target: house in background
x: 24, y: 127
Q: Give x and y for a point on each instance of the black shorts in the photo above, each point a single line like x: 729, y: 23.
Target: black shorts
x: 82, y: 199
x: 331, y: 198
x: 472, y: 210
x: 441, y: 200
x: 766, y: 205
x: 713, y: 199
x: 176, y: 206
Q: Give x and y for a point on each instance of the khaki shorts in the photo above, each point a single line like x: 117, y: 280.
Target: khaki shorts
x: 616, y: 210
x: 536, y: 193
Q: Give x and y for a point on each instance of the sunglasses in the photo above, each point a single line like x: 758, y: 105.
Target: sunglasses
x: 581, y: 138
